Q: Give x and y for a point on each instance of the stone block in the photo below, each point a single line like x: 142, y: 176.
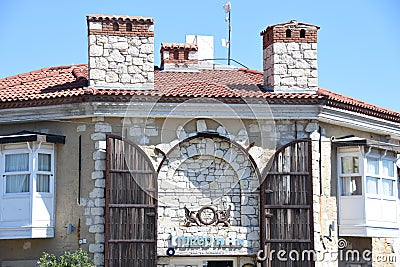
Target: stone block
x: 136, y: 131
x: 138, y: 78
x: 125, y: 78
x: 97, y: 211
x: 101, y: 39
x: 301, y: 64
x: 248, y: 210
x: 310, y: 54
x: 292, y: 47
x: 288, y: 81
x: 151, y: 131
x: 99, y: 220
x: 98, y: 259
x: 312, y: 82
x: 99, y: 238
x: 297, y: 55
x: 150, y: 76
x: 305, y: 46
x: 95, y: 50
x: 301, y: 81
x: 101, y: 63
x: 96, y: 193
x: 120, y: 45
x: 221, y: 130
x: 100, y: 183
x: 116, y: 56
x: 99, y: 154
x: 89, y: 221
x: 253, y: 236
x: 280, y: 69
x: 121, y: 68
x: 201, y: 125
x: 279, y: 48
x: 90, y: 203
x: 97, y: 74
x: 314, y: 73
x: 86, y: 212
x: 296, y: 72
x: 97, y: 175
x: 98, y: 228
x: 100, y: 202
x: 100, y: 165
x: 147, y: 67
x: 254, y: 128
x: 191, y: 151
x: 98, y: 136
x: 93, y: 248
x: 111, y: 77
x: 147, y: 49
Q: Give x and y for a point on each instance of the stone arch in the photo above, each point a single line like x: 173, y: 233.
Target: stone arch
x: 209, y: 169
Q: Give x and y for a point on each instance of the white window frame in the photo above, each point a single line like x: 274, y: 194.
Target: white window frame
x: 37, y: 226
x: 363, y: 171
x: 343, y: 176
x: 380, y: 176
x: 4, y: 174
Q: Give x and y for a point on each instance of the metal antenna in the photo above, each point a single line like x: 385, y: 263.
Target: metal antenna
x: 227, y: 9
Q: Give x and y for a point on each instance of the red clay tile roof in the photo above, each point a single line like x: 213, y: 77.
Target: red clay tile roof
x: 100, y: 17
x: 349, y: 103
x: 47, y: 83
x: 168, y: 46
x: 291, y: 22
x: 68, y: 84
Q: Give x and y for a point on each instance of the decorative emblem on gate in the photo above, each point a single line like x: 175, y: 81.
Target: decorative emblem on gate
x: 207, y: 215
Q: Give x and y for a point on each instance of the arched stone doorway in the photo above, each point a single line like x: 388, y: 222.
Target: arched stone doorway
x: 208, y: 170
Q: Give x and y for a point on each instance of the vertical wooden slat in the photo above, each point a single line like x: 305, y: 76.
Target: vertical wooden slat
x: 290, y: 179
x: 129, y: 174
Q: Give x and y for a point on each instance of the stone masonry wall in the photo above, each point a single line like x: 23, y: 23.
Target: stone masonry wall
x: 121, y: 59
x: 208, y: 171
x: 94, y: 205
x: 291, y: 67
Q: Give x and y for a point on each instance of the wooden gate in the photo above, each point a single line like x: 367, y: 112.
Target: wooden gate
x: 286, y: 193
x: 131, y: 206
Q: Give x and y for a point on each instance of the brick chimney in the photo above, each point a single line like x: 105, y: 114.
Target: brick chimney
x: 179, y: 57
x: 121, y: 52
x: 290, y: 57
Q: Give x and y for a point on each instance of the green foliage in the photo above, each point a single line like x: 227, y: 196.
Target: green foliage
x: 78, y: 258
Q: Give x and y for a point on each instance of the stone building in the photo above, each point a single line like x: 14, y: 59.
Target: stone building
x: 195, y: 164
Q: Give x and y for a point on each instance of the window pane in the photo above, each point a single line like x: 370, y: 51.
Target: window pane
x: 351, y: 186
x: 43, y: 183
x: 388, y: 167
x: 44, y: 162
x: 373, y: 165
x: 372, y: 185
x: 387, y: 187
x: 350, y: 165
x: 17, y: 162
x: 17, y: 183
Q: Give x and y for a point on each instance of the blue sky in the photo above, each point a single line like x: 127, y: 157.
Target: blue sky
x: 358, y: 45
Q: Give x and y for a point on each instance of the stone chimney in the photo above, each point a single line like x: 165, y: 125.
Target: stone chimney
x: 290, y: 57
x: 179, y: 57
x: 121, y: 52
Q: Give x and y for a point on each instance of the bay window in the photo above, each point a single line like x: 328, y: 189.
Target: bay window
x: 27, y: 195
x: 367, y: 188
